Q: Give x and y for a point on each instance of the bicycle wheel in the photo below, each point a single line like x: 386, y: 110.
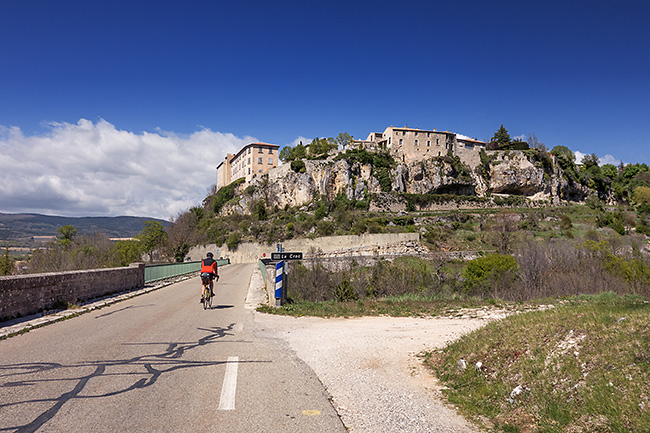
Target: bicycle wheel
x: 209, y: 299
x: 206, y: 298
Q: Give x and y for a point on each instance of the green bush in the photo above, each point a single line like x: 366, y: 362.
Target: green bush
x: 233, y: 240
x: 345, y: 292
x: 298, y: 166
x: 383, y: 176
x: 224, y: 195
x: 487, y: 272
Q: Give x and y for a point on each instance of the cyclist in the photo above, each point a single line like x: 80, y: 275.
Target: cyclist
x: 209, y: 269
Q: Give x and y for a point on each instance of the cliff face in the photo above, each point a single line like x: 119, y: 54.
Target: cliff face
x: 508, y: 172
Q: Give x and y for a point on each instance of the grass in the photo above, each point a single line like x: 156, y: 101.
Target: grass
x: 584, y: 366
x: 407, y: 305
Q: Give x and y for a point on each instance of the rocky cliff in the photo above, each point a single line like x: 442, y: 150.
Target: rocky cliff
x: 502, y: 172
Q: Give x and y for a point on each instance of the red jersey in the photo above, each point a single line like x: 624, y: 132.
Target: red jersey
x: 209, y: 265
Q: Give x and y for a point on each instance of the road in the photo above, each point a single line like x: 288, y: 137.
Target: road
x: 160, y: 363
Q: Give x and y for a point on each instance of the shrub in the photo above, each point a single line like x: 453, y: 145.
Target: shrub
x: 383, y: 176
x: 224, y: 195
x: 298, y: 166
x: 344, y: 292
x: 233, y: 240
x: 484, y: 273
x: 326, y: 228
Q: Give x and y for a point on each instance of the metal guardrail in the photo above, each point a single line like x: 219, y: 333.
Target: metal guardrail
x: 160, y: 272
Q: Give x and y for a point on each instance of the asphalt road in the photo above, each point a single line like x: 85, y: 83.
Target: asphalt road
x: 160, y: 363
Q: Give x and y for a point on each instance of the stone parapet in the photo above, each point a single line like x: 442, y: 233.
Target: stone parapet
x: 22, y: 295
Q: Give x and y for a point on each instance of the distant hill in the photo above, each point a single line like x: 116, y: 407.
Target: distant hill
x: 24, y: 226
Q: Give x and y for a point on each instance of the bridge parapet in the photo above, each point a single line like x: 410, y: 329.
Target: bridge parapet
x: 23, y: 295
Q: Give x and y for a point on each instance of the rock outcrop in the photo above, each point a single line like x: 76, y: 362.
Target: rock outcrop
x: 510, y: 173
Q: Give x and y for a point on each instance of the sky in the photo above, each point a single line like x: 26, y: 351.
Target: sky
x: 122, y: 107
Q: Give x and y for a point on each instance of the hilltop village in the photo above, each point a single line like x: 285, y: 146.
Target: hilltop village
x: 397, y: 160
x: 404, y: 144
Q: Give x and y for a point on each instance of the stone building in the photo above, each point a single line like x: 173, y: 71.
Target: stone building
x: 413, y: 144
x: 253, y: 160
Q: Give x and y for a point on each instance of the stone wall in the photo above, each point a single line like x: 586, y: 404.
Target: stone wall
x: 383, y: 243
x: 22, y: 295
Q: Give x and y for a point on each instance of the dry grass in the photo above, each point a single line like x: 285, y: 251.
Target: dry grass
x: 583, y: 366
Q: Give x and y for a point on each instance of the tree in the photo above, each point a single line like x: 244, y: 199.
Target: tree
x: 126, y: 252
x: 505, y: 225
x: 535, y: 143
x: 66, y: 236
x: 260, y: 211
x: 182, y: 233
x: 609, y: 170
x: 590, y: 160
x: 501, y: 137
x: 288, y: 153
x: 566, y: 160
x: 319, y: 147
x: 343, y: 140
x: 153, y: 236
x: 6, y: 264
x: 642, y: 195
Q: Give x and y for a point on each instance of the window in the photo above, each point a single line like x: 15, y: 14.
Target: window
x: 428, y: 134
x: 437, y: 141
x: 249, y: 170
x: 270, y: 161
x: 403, y: 132
x: 259, y: 160
x: 416, y: 141
x: 416, y: 133
x: 259, y: 170
x: 249, y: 150
x: 389, y: 140
x: 270, y: 151
x: 428, y: 143
x: 400, y: 141
x: 259, y: 150
x: 249, y: 160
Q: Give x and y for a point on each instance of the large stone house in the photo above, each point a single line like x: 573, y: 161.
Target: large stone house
x: 252, y: 160
x: 412, y: 144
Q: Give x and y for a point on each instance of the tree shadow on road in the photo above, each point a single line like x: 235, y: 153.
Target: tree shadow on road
x: 145, y: 371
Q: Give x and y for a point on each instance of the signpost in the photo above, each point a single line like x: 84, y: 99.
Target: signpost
x: 281, y: 271
x: 286, y: 256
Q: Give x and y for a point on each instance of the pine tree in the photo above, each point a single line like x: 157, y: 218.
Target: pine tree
x: 501, y: 137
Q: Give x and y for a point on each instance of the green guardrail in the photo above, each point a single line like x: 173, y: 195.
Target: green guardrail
x: 262, y: 269
x: 169, y: 270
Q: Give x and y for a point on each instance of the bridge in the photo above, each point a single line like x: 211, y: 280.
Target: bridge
x: 159, y: 362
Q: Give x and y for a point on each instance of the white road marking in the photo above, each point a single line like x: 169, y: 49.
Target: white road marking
x: 229, y: 388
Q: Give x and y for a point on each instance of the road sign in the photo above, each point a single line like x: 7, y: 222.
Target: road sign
x: 286, y: 256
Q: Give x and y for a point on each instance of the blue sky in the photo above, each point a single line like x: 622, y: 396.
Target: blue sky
x: 571, y: 72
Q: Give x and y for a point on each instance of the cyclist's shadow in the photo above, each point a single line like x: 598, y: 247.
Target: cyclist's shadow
x: 220, y: 307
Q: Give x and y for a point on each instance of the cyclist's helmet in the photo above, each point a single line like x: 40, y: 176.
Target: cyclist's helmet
x: 209, y: 255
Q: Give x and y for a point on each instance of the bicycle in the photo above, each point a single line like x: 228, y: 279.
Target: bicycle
x: 207, y: 299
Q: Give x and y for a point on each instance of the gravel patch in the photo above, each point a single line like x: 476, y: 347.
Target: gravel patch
x: 371, y: 368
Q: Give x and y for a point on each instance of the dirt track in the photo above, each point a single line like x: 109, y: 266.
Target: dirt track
x: 371, y: 368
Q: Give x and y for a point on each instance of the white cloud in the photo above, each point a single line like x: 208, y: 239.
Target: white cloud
x: 301, y: 139
x: 609, y: 159
x: 92, y: 169
x: 602, y: 160
x: 579, y: 156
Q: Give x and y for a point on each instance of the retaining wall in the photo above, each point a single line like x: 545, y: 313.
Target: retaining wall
x: 22, y: 295
x: 249, y: 252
